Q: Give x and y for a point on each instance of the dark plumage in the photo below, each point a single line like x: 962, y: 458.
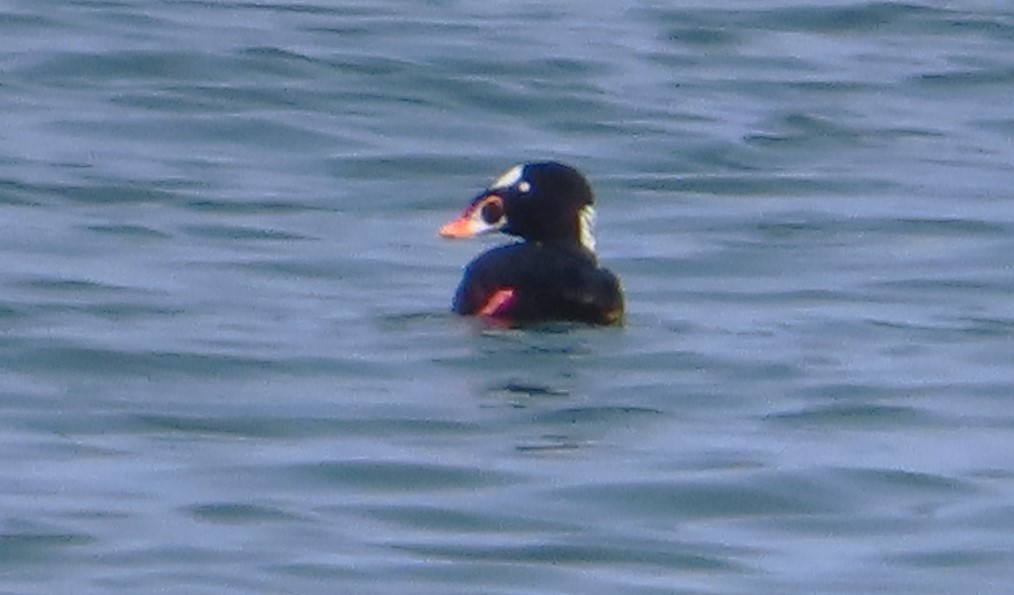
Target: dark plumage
x: 553, y: 274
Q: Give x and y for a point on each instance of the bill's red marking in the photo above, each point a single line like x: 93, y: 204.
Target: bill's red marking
x: 462, y: 227
x: 497, y: 303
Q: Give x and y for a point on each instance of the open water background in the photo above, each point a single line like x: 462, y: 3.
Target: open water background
x: 227, y: 362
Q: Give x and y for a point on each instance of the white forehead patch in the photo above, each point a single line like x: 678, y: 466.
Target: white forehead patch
x: 586, y: 222
x: 509, y: 178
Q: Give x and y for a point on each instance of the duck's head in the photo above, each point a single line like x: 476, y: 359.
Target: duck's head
x: 540, y: 202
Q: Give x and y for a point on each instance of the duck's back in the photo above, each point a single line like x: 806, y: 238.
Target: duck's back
x: 530, y: 281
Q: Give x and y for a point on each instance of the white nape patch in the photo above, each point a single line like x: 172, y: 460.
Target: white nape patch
x: 586, y: 223
x: 509, y: 178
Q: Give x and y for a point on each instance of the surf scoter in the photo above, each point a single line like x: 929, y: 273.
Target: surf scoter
x: 553, y: 274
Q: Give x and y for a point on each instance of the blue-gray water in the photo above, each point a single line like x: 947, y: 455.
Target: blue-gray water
x: 228, y: 365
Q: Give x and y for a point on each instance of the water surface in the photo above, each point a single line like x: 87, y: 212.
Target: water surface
x: 228, y: 365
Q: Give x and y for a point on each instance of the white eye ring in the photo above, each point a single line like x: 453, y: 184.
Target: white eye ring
x: 524, y: 186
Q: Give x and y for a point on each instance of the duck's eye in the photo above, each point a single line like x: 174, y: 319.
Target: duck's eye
x: 492, y: 211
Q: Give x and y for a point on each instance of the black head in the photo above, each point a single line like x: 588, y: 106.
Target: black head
x: 540, y: 202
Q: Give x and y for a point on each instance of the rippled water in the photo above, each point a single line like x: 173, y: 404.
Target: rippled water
x: 228, y: 365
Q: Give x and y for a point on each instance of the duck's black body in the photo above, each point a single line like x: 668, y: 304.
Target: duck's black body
x: 553, y: 274
x: 549, y: 281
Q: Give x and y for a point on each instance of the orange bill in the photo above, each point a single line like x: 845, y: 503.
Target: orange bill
x: 462, y: 227
x: 485, y: 213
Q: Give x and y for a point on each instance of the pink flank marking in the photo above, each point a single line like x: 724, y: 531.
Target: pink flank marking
x: 497, y: 303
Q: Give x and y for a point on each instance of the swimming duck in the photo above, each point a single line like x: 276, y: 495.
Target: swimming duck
x: 553, y: 273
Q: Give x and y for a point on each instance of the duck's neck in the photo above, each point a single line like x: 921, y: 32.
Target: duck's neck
x: 569, y: 246
x: 586, y: 227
